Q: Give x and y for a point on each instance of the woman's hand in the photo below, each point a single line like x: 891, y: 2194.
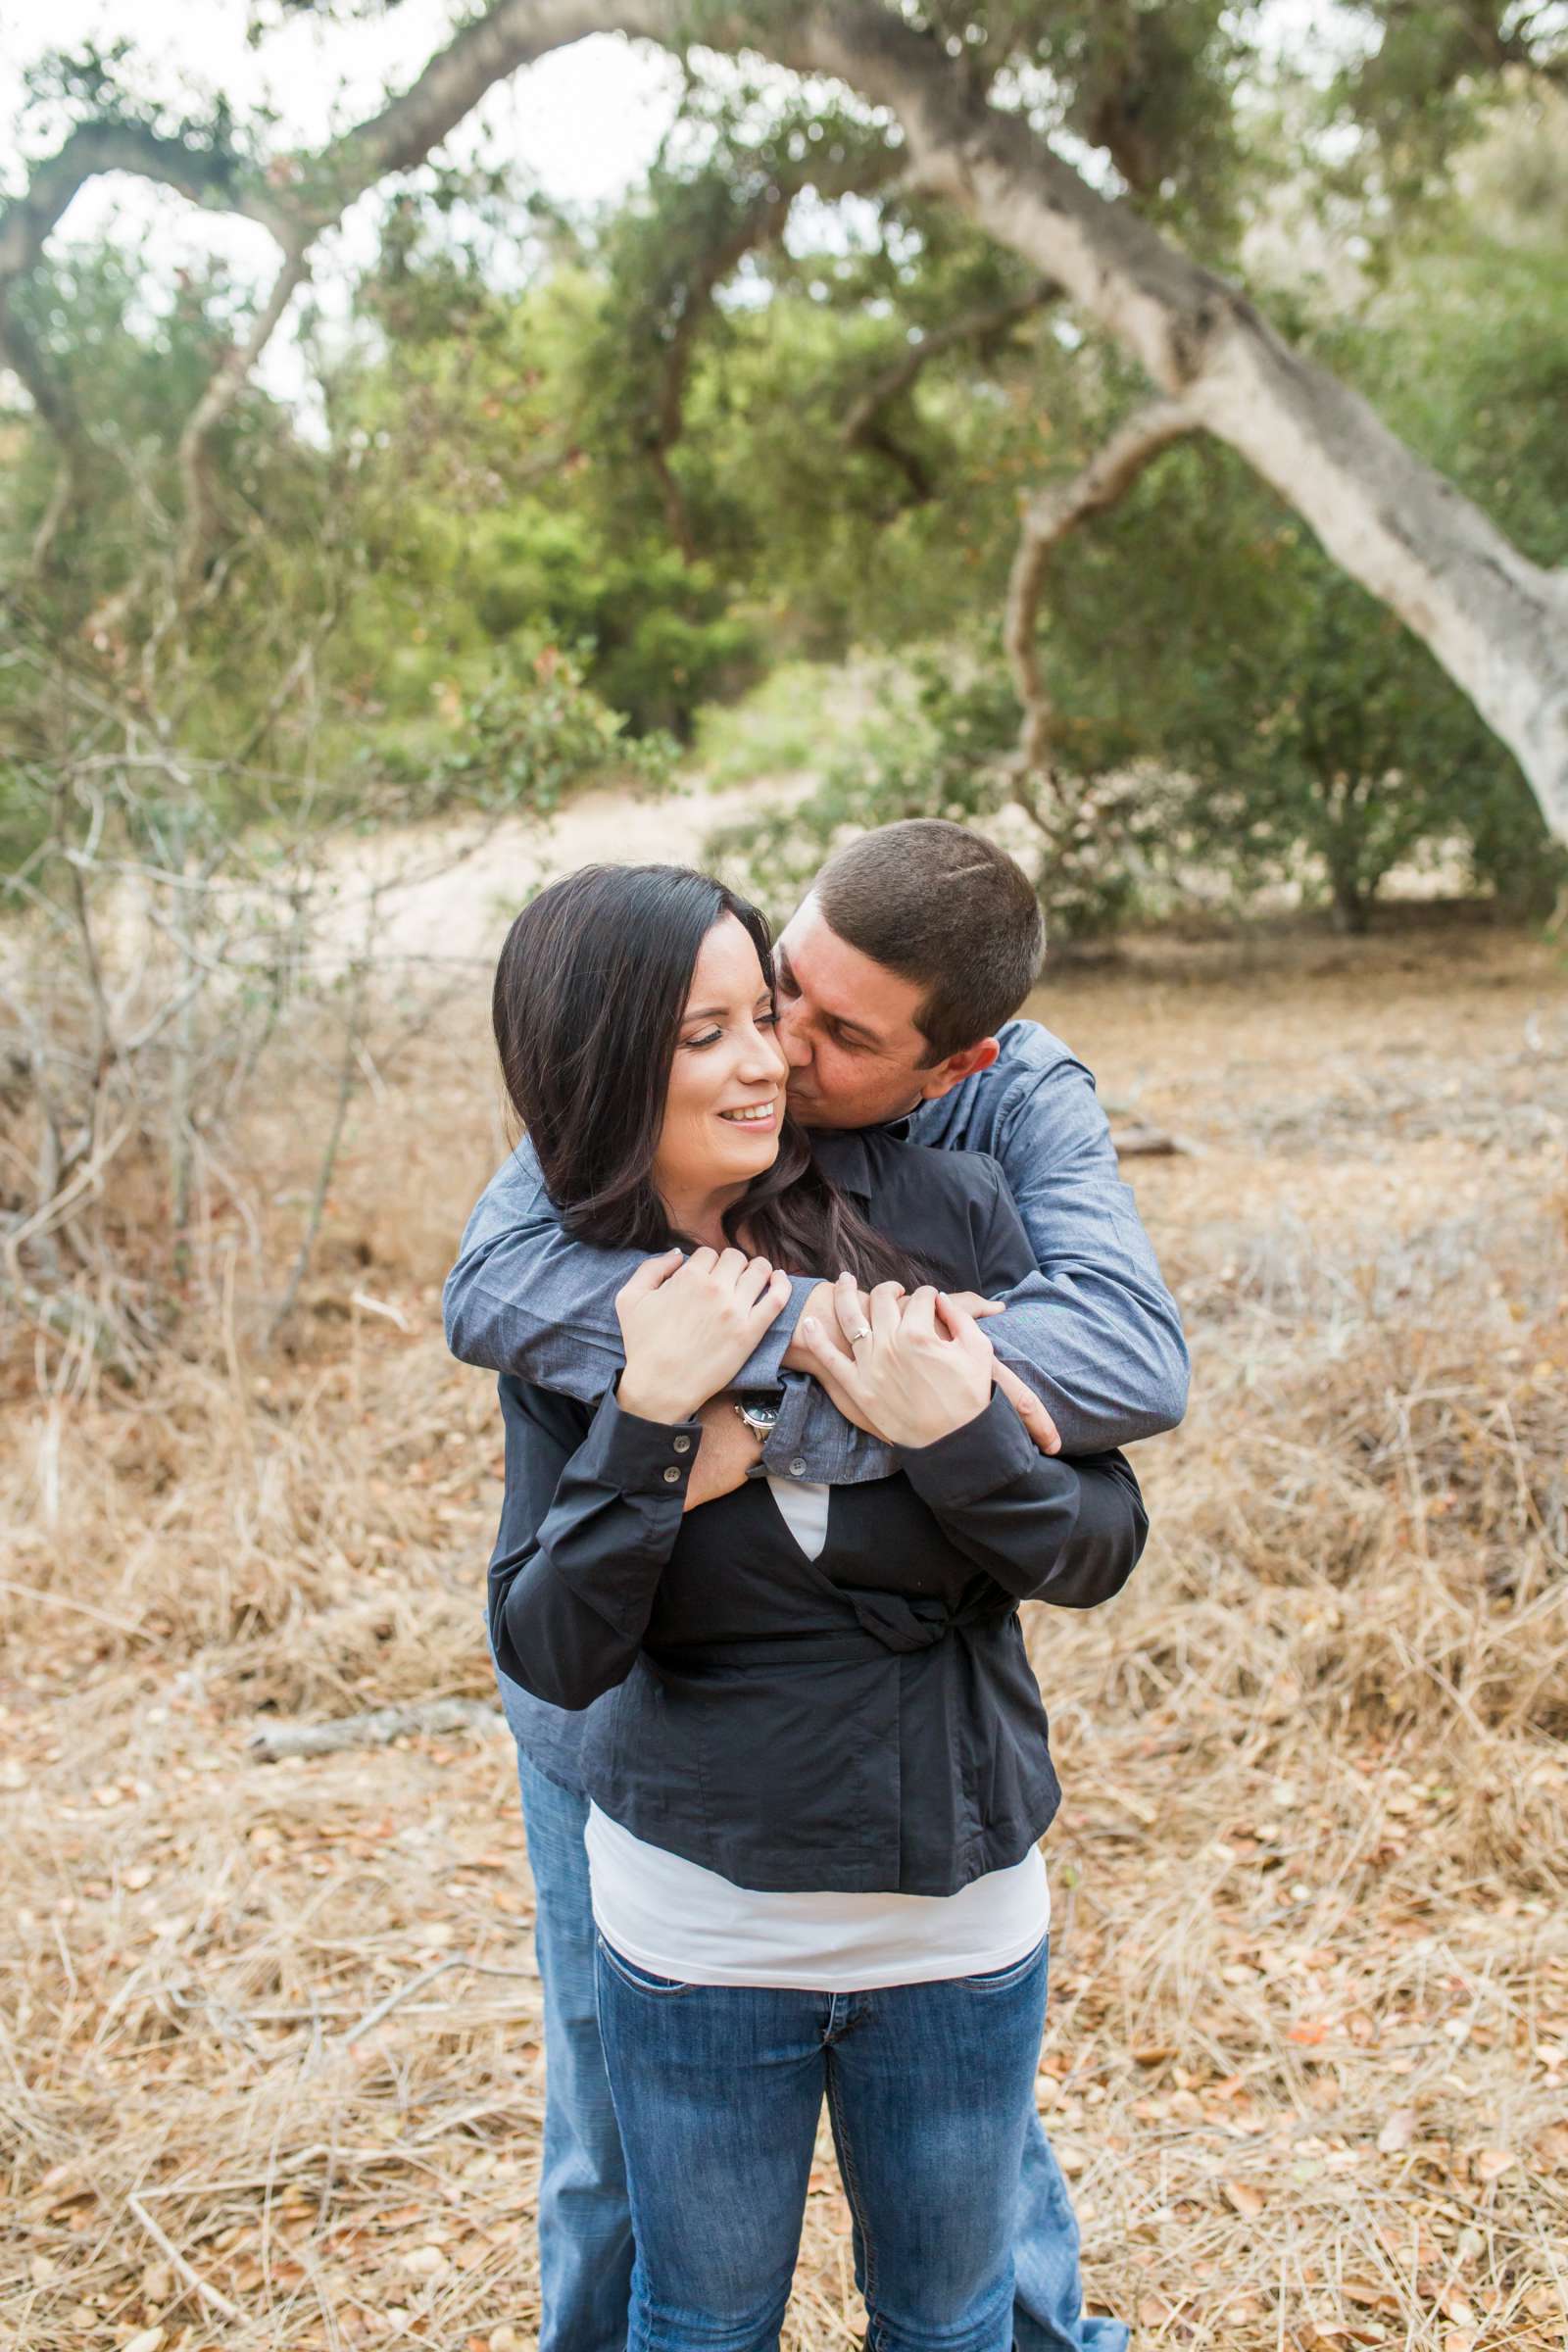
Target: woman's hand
x: 825, y: 1352
x: 910, y: 1379
x: 689, y: 1324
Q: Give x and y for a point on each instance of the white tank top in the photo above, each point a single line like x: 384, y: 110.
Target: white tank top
x: 677, y: 1919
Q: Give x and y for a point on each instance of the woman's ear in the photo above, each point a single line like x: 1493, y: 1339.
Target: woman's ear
x: 956, y: 1067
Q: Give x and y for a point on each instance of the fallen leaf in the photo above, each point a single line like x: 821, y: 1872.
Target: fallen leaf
x: 1397, y: 2132
x: 1309, y: 2032
x: 1492, y: 2162
x: 1246, y: 2199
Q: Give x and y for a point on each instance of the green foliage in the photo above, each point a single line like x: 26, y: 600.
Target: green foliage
x: 938, y: 743
x: 581, y: 485
x: 530, y: 732
x: 656, y: 635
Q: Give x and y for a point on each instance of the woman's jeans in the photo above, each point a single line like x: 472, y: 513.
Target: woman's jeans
x: 719, y: 2089
x: 586, y: 2242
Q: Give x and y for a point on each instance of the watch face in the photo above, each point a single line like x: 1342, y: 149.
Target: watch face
x: 761, y: 1417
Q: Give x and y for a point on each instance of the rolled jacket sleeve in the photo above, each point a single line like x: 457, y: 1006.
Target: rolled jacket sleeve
x: 569, y: 1600
x: 1044, y: 1529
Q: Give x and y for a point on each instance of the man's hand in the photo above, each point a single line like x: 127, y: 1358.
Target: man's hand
x: 819, y: 1309
x: 819, y: 1345
x: 726, y: 1453
x: 1022, y: 1399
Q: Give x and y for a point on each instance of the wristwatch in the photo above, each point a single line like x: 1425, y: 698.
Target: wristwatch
x: 761, y: 1418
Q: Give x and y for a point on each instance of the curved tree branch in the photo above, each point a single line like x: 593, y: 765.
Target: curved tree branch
x: 58, y: 412
x: 762, y: 221
x: 1048, y: 518
x: 208, y: 176
x: 1497, y: 623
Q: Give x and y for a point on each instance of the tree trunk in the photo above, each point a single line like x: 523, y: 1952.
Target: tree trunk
x: 1497, y: 623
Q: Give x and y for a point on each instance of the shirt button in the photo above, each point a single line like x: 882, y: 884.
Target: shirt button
x: 671, y: 1476
x: 683, y: 1445
x: 798, y: 1466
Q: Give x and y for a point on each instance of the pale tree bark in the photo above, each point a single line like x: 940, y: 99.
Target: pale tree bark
x: 1497, y: 623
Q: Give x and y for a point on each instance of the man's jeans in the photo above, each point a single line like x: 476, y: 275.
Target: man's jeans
x: 585, y: 2242
x: 586, y: 2248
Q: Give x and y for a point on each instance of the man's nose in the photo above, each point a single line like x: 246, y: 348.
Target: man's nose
x: 791, y: 1035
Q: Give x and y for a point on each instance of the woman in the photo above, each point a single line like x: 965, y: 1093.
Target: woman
x: 823, y: 1773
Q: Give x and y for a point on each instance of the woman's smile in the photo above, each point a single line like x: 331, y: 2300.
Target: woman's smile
x: 763, y: 1117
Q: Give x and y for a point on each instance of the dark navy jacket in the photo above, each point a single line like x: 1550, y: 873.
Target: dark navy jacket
x: 867, y: 1721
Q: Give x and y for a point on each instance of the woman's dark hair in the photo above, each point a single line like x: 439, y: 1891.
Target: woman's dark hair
x: 590, y: 993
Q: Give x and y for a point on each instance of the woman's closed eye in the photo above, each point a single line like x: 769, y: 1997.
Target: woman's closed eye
x: 762, y: 1020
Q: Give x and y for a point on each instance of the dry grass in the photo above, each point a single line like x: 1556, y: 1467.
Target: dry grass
x: 272, y: 2030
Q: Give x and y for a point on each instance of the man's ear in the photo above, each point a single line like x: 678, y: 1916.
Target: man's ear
x: 945, y: 1075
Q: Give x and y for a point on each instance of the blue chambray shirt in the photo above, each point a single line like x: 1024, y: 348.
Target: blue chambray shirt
x: 1094, y: 1331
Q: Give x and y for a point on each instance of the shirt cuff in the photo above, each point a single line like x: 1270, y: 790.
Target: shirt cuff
x: 634, y: 1456
x: 992, y: 1451
x: 763, y: 1367
x: 786, y: 1440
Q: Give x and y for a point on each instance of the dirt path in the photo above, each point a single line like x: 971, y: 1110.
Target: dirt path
x: 461, y: 899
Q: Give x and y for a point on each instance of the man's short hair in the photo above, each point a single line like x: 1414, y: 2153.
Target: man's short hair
x: 946, y: 909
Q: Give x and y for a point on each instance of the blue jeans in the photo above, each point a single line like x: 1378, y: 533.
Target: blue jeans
x: 586, y: 2248
x: 585, y: 2245
x: 719, y: 2091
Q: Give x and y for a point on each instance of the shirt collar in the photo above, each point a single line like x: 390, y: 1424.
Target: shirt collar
x: 847, y: 1156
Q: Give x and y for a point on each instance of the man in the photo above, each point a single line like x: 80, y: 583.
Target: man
x: 896, y: 980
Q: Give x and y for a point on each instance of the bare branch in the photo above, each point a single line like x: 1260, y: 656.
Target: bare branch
x: 1047, y: 519
x: 223, y: 388
x: 60, y: 414
x: 270, y: 1741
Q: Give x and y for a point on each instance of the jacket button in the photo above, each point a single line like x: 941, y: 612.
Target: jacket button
x: 683, y: 1445
x: 798, y: 1466
x: 671, y: 1476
